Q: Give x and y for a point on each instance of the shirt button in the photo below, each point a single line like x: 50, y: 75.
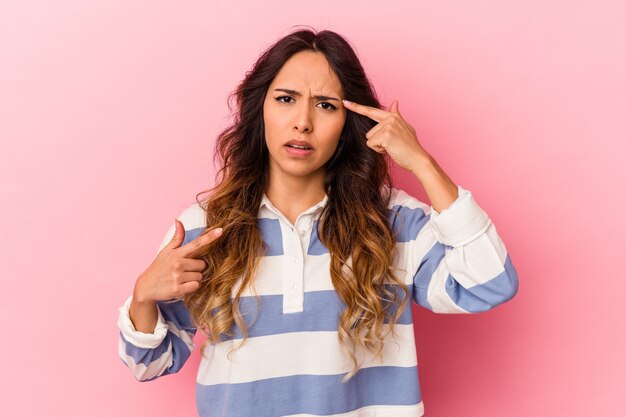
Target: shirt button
x: 295, y: 286
x: 295, y: 259
x: 302, y: 232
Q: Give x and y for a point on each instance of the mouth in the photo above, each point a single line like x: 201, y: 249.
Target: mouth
x: 296, y: 150
x: 299, y: 147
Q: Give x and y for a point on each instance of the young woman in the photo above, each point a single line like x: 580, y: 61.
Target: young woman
x: 301, y: 263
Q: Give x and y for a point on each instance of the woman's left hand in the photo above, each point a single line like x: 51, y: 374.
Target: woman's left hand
x: 392, y: 135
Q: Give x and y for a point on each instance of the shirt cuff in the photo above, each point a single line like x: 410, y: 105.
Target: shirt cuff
x: 461, y: 222
x: 137, y: 338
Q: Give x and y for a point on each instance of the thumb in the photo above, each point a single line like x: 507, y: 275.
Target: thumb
x: 179, y: 234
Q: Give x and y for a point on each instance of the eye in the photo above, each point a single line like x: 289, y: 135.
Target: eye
x: 330, y: 106
x: 281, y: 97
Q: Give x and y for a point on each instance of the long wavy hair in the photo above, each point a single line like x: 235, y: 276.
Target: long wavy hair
x: 353, y: 225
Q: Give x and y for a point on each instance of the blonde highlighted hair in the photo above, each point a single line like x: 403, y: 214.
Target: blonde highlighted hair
x: 353, y: 225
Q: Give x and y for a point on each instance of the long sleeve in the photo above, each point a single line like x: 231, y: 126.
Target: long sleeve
x: 151, y: 355
x: 456, y: 259
x: 165, y: 351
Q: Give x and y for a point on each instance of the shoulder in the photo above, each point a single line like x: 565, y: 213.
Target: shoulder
x: 193, y: 218
x: 407, y: 215
x: 400, y: 200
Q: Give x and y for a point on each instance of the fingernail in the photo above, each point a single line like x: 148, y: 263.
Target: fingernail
x: 217, y: 231
x: 346, y: 102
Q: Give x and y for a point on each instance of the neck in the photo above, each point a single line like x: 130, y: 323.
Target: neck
x: 293, y: 195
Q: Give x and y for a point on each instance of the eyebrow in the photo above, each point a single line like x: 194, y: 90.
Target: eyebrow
x: 297, y: 93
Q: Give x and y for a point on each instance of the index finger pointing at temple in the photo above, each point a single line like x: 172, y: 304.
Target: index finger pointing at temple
x: 371, y: 112
x: 197, y: 246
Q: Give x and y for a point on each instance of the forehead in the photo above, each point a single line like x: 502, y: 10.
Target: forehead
x: 308, y: 71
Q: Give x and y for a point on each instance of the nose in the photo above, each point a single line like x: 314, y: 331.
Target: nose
x: 303, y: 121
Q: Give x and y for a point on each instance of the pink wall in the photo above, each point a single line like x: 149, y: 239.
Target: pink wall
x: 108, y: 112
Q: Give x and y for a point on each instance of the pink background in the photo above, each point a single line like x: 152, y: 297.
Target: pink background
x: 108, y: 113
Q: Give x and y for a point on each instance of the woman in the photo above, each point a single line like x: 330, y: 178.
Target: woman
x: 301, y: 263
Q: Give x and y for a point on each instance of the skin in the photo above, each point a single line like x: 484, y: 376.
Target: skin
x: 175, y: 272
x: 395, y: 136
x: 296, y: 183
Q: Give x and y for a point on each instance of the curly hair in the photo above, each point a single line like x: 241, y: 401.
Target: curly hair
x: 353, y: 225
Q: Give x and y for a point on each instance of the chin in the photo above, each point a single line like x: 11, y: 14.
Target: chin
x: 300, y: 172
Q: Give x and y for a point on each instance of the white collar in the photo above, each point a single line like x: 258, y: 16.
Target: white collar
x: 265, y: 201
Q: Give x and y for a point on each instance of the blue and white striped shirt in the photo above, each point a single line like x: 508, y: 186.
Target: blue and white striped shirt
x: 292, y: 363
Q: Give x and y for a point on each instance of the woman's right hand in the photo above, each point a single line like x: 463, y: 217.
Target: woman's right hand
x: 176, y: 270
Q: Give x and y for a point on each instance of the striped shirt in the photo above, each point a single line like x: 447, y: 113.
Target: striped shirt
x: 292, y: 363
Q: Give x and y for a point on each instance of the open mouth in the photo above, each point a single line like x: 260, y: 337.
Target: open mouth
x: 298, y: 151
x: 298, y: 147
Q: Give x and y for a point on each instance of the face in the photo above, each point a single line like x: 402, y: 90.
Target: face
x: 310, y: 111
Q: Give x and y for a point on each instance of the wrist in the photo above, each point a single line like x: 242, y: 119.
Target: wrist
x: 424, y: 165
x: 140, y: 298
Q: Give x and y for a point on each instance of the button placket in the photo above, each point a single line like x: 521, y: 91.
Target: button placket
x: 293, y: 297
x: 293, y: 271
x: 297, y: 278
